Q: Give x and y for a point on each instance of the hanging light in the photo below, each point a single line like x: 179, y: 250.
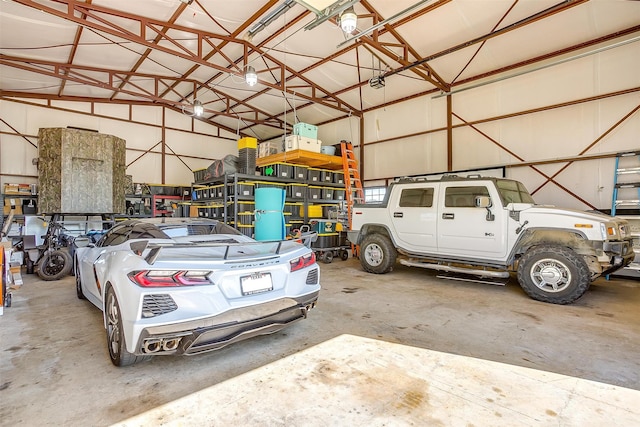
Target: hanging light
x: 198, y: 109
x: 348, y: 20
x: 250, y: 76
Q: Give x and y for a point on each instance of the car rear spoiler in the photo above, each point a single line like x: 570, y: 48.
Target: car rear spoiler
x: 140, y: 246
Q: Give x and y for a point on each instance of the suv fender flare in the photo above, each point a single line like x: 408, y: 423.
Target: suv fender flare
x: 375, y: 229
x: 572, y: 239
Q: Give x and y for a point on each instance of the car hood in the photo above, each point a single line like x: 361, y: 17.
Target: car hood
x: 526, y: 209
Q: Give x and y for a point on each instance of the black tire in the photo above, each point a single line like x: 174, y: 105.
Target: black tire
x: 29, y: 264
x: 115, y: 335
x: 327, y: 257
x: 78, y: 281
x: 54, y: 265
x: 377, y: 254
x: 553, y: 274
x: 344, y: 254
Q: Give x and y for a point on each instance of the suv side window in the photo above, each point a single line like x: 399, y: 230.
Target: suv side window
x: 464, y: 197
x: 416, y: 198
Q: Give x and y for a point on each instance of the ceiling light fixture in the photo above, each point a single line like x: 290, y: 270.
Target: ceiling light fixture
x: 196, y: 111
x: 250, y: 76
x: 348, y: 20
x: 198, y: 108
x: 326, y: 10
x: 385, y: 22
x: 187, y: 2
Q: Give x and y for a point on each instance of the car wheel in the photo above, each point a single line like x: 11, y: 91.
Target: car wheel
x: 327, y: 257
x: 78, y: 281
x: 54, y: 265
x: 115, y: 335
x: 553, y: 274
x: 377, y: 254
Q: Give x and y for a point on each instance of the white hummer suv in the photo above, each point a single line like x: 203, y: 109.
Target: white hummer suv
x: 489, y: 227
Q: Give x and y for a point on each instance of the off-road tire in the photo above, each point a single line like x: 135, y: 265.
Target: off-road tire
x: 377, y: 254
x: 54, y: 265
x: 553, y: 274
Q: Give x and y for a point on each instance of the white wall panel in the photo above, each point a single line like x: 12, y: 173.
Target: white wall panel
x: 16, y: 158
x: 120, y: 111
x: 176, y: 120
x: 199, y: 145
x: 334, y: 132
x: 51, y: 118
x: 131, y: 133
x: 177, y: 173
x: 147, y: 168
x: 149, y: 115
x: 503, y: 112
x: 416, y: 154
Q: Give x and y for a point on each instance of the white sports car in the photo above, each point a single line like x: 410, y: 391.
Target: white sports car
x: 191, y: 285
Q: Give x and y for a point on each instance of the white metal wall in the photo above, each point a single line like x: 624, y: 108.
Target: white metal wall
x: 551, y: 134
x: 142, y: 132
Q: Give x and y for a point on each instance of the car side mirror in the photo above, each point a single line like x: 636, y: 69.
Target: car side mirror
x: 483, y: 202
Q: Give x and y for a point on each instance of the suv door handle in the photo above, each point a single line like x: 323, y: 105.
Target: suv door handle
x: 398, y: 214
x: 447, y: 216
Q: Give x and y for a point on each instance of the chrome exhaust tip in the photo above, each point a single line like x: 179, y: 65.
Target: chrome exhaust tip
x: 171, y: 344
x: 152, y: 346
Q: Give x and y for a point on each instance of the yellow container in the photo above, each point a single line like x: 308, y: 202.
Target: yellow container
x: 247, y: 142
x: 313, y: 211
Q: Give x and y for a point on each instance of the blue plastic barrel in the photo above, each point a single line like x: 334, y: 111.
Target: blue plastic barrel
x: 269, y: 214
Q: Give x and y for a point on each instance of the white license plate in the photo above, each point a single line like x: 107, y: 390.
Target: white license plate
x: 256, y: 283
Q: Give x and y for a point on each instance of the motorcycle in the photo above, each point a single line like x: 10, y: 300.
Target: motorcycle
x: 53, y: 261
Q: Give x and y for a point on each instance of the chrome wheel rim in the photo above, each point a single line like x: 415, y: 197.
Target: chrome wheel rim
x: 113, y: 328
x: 374, y: 255
x: 550, y: 275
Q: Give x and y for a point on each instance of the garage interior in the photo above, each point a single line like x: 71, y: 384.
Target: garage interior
x: 545, y: 92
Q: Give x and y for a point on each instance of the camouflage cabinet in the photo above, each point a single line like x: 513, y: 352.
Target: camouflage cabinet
x: 80, y: 172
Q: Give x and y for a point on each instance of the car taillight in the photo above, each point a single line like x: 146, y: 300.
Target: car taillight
x: 303, y: 261
x: 164, y: 278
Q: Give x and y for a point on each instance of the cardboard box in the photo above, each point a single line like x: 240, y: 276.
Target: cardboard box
x: 14, y: 204
x: 297, y: 142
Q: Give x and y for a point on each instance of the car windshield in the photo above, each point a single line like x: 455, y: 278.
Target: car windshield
x: 513, y: 192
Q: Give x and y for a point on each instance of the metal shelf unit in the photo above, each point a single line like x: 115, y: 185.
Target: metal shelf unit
x: 626, y: 202
x: 230, y: 198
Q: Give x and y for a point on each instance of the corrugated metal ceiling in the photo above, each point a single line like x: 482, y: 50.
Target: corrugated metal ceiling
x: 170, y: 52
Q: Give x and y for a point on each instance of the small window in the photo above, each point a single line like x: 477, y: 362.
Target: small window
x: 464, y: 197
x: 374, y: 194
x: 416, y: 198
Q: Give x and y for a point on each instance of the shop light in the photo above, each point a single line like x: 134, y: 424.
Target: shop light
x: 348, y: 20
x: 250, y: 76
x: 198, y: 109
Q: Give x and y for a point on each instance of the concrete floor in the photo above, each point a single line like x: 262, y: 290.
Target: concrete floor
x: 55, y: 370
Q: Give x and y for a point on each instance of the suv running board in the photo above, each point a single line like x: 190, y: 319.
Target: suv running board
x: 450, y: 269
x: 470, y: 278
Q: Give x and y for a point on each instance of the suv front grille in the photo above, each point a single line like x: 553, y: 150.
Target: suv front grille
x: 157, y: 304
